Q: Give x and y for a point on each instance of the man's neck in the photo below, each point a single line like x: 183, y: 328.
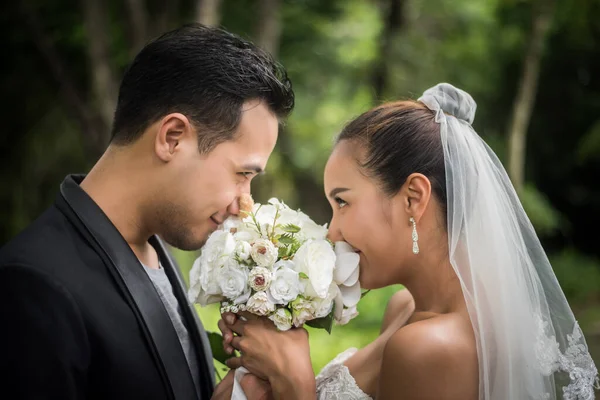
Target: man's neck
x: 113, y: 187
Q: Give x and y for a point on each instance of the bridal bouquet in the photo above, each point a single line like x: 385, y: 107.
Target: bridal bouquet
x: 276, y: 262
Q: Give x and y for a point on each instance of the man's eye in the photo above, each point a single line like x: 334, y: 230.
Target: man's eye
x: 341, y: 203
x: 245, y: 174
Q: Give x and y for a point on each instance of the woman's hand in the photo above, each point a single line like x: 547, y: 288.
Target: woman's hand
x: 254, y: 388
x: 282, y: 358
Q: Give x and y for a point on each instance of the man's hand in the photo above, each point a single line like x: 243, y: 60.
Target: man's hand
x: 224, y: 388
x: 269, y: 354
x: 256, y: 388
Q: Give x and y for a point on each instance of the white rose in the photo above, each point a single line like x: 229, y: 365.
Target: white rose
x: 325, y: 305
x: 260, y: 304
x: 242, y: 249
x: 346, y: 315
x: 260, y: 278
x: 231, y: 224
x: 309, y: 229
x: 286, y: 283
x: 264, y: 215
x: 218, y: 248
x: 264, y: 253
x: 282, y: 319
x: 204, y: 288
x: 316, y: 259
x: 233, y: 279
x: 303, y: 310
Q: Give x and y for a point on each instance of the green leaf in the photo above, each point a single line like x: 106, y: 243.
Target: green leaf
x: 323, y: 323
x: 282, y: 252
x: 291, y: 228
x: 303, y: 275
x: 287, y: 240
x: 216, y: 345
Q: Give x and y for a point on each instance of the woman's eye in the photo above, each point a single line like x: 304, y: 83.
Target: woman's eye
x: 245, y: 174
x: 341, y: 203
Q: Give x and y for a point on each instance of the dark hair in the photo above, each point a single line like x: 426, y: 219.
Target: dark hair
x: 400, y: 138
x: 204, y: 73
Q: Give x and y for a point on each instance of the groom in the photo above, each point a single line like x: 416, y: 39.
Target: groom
x: 91, y: 304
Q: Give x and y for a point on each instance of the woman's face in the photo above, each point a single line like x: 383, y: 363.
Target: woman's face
x: 375, y: 224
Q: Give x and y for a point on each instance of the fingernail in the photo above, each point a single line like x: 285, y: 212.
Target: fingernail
x: 230, y: 350
x: 229, y: 319
x: 227, y: 337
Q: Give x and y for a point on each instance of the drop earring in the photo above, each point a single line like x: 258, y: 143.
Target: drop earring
x: 415, y: 236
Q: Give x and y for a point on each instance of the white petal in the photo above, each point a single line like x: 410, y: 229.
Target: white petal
x: 346, y: 265
x: 339, y: 306
x: 343, y: 247
x: 351, y: 294
x: 352, y: 279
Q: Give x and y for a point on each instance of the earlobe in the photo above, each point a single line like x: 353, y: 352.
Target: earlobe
x: 172, y: 130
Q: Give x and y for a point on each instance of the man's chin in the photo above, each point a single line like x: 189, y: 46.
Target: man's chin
x: 185, y: 244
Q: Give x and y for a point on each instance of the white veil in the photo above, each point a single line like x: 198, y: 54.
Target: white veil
x: 528, y: 343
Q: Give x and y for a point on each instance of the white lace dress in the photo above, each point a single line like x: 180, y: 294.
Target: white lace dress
x: 335, y: 382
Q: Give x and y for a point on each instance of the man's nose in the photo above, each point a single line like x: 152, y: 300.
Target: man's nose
x: 234, y: 207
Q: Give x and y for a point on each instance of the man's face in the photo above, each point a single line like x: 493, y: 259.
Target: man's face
x: 205, y: 188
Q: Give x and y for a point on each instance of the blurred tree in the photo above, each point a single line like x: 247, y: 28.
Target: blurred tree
x: 542, y: 13
x: 208, y: 12
x: 268, y: 26
x: 105, y: 81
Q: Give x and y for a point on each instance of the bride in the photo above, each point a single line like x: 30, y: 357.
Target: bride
x: 427, y: 204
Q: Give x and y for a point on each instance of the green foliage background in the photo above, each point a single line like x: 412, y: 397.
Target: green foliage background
x: 343, y: 57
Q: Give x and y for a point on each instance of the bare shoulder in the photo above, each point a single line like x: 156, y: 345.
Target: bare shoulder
x: 398, y: 310
x: 431, y: 359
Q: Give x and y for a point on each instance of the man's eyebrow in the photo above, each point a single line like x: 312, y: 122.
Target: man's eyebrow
x: 337, y: 191
x: 253, y: 167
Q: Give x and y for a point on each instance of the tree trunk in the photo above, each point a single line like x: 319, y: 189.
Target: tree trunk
x: 208, y: 12
x: 167, y: 18
x: 525, y: 99
x: 138, y: 25
x: 75, y: 101
x: 268, y: 26
x: 393, y: 22
x: 104, y: 82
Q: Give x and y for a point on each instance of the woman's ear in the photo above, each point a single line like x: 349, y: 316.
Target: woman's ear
x: 172, y: 130
x: 416, y: 193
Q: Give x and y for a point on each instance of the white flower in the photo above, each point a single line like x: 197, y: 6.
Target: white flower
x: 264, y: 253
x: 325, y: 305
x: 204, y: 288
x: 346, y: 315
x: 282, y: 319
x: 260, y: 278
x: 233, y: 279
x: 286, y: 283
x: 242, y: 249
x: 346, y: 273
x: 310, y: 229
x: 303, y: 310
x: 265, y: 216
x: 231, y: 224
x: 219, y: 246
x: 260, y: 304
x: 316, y: 259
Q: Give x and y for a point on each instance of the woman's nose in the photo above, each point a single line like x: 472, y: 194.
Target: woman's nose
x: 334, y: 234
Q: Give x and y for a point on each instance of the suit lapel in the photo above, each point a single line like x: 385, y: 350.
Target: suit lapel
x: 135, y: 284
x: 195, y: 327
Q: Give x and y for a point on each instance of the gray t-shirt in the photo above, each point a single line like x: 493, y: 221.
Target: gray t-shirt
x: 165, y: 291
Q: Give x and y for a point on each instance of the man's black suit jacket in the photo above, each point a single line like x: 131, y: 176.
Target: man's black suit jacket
x: 80, y: 318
